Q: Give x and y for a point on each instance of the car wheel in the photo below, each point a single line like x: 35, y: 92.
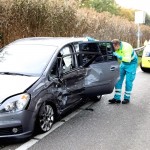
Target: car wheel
x: 96, y: 98
x: 143, y: 69
x: 45, y: 118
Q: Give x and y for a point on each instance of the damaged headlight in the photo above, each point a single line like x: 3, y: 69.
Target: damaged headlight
x: 15, y: 103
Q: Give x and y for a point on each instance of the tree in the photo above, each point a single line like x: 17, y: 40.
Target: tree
x: 102, y: 5
x: 127, y: 13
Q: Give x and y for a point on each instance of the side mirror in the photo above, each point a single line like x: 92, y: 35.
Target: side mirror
x: 55, y: 80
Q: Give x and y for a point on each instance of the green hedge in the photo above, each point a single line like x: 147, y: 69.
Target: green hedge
x: 26, y: 18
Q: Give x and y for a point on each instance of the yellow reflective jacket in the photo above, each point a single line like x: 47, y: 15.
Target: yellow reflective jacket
x: 125, y: 52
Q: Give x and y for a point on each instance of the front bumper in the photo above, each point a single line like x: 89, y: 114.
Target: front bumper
x: 16, y: 137
x: 16, y: 125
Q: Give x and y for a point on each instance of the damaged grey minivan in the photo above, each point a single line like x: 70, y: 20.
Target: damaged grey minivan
x: 42, y: 77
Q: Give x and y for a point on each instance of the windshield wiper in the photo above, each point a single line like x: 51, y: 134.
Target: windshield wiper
x: 13, y: 73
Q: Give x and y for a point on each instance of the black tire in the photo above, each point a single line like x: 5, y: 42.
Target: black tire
x: 45, y: 118
x: 96, y: 98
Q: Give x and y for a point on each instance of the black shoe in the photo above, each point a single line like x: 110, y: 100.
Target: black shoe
x: 113, y: 101
x: 126, y: 101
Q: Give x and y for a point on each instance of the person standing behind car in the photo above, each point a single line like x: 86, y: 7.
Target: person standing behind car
x: 129, y: 61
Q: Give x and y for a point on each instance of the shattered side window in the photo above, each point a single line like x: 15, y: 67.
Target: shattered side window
x: 76, y: 47
x: 110, y: 52
x: 67, y: 61
x: 90, y: 47
x: 107, y: 51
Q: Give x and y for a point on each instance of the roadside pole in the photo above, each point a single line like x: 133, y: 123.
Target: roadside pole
x: 138, y: 34
x: 139, y: 19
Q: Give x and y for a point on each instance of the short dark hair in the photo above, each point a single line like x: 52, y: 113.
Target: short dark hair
x: 116, y: 41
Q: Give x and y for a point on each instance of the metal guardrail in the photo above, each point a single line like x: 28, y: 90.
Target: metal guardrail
x: 139, y: 51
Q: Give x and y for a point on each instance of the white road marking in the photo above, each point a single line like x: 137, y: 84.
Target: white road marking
x: 27, y: 144
x: 36, y: 139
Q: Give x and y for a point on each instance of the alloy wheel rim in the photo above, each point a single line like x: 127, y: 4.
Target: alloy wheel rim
x: 46, y: 118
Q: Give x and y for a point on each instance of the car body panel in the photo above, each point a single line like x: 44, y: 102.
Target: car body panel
x: 19, y: 121
x: 73, y: 85
x: 8, y: 85
x: 101, y: 78
x: 145, y: 62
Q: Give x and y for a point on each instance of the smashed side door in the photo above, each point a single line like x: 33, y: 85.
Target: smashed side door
x: 103, y: 71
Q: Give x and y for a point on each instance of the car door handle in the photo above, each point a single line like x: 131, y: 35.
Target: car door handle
x: 112, y: 68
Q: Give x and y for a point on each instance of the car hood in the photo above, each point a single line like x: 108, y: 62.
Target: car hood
x: 13, y: 84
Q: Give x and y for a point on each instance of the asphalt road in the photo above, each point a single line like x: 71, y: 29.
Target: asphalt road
x: 105, y: 126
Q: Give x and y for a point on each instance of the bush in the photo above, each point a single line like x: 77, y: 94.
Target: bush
x: 29, y: 18
x: 53, y: 18
x: 105, y: 26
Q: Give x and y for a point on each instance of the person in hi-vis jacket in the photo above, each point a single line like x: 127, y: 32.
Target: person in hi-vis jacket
x: 129, y: 60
